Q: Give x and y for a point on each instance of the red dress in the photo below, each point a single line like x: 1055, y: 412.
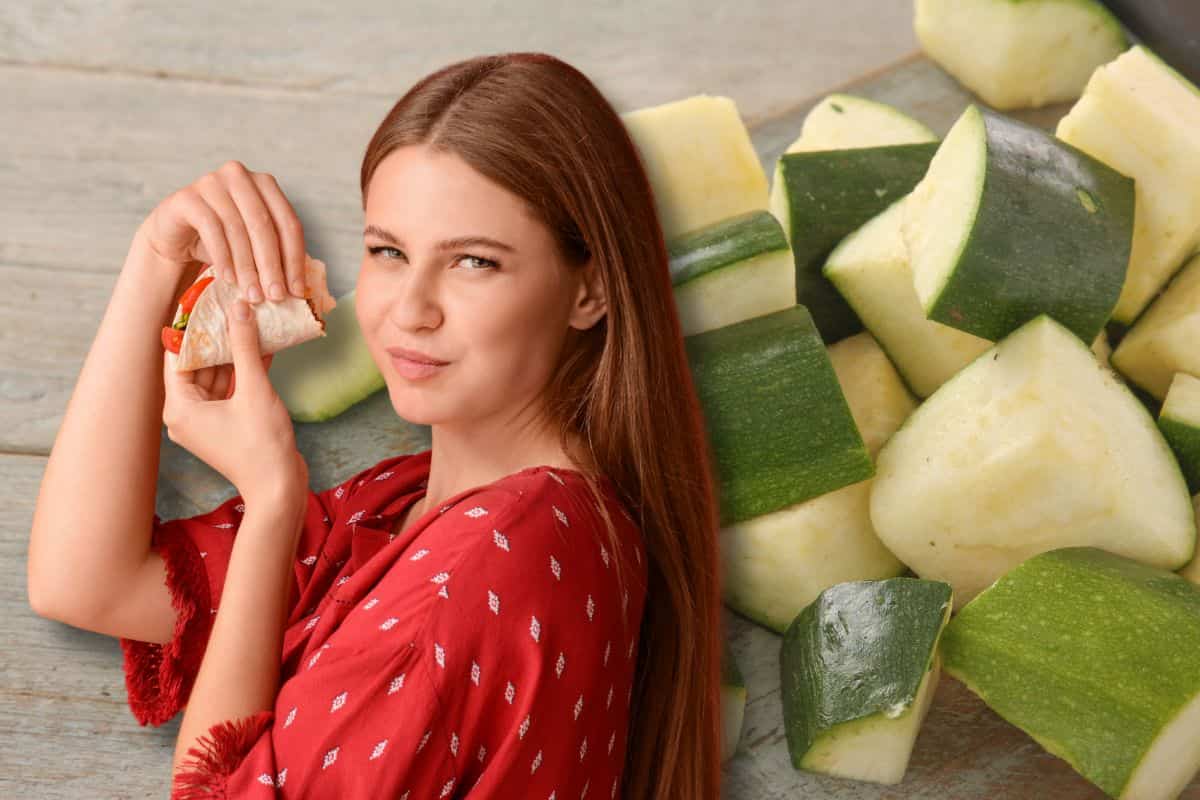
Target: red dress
x: 486, y: 652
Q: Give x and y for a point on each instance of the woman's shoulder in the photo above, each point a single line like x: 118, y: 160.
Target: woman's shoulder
x: 555, y: 509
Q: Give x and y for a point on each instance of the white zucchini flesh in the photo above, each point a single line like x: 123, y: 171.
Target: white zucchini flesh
x: 1019, y: 54
x: 874, y: 749
x: 1166, y: 338
x: 845, y: 120
x: 1142, y: 118
x: 937, y: 217
x: 757, y: 286
x: 1170, y: 763
x: 700, y: 161
x: 777, y: 563
x: 871, y: 269
x: 1033, y: 446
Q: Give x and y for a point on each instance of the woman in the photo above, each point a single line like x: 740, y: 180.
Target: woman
x: 458, y: 622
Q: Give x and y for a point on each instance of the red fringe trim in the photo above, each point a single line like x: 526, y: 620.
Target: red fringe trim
x: 159, y: 677
x: 217, y: 754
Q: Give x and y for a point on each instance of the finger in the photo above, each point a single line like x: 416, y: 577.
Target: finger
x: 291, y: 232
x: 228, y: 393
x: 204, y: 377
x: 204, y: 219
x: 263, y: 236
x: 177, y: 386
x: 221, y: 384
x: 241, y: 264
x: 243, y: 340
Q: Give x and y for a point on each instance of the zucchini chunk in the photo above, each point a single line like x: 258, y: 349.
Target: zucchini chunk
x: 1142, y: 118
x: 858, y: 669
x: 754, y: 375
x: 821, y: 197
x: 870, y: 268
x: 321, y: 378
x: 1019, y: 53
x: 841, y: 121
x: 701, y: 163
x: 1179, y: 421
x: 776, y: 564
x: 730, y: 271
x: 733, y: 703
x: 1033, y: 446
x: 1094, y: 656
x: 1166, y: 339
x: 1009, y: 223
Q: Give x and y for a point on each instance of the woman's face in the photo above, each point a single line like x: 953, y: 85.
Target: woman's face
x: 497, y: 313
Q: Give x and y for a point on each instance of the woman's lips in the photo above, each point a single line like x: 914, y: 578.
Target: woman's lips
x: 414, y: 370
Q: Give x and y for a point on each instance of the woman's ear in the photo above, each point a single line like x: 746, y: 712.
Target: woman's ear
x: 590, y: 301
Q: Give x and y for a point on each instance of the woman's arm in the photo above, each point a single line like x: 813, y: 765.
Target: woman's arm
x: 239, y: 674
x: 92, y: 522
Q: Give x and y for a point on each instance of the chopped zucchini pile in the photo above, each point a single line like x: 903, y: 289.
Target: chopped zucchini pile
x: 938, y: 393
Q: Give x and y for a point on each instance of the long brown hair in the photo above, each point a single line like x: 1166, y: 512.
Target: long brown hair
x: 538, y: 127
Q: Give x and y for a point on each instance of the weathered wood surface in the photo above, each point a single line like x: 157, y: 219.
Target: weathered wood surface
x: 111, y: 106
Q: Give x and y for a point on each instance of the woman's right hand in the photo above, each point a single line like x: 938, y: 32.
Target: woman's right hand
x: 240, y: 222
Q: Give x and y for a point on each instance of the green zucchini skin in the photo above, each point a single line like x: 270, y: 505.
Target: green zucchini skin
x: 1179, y: 420
x: 1088, y: 652
x: 721, y: 244
x: 1185, y: 442
x: 779, y: 427
x: 1037, y: 244
x: 859, y: 650
x: 829, y: 195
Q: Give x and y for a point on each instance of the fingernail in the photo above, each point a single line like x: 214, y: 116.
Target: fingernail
x: 298, y: 288
x: 276, y: 292
x: 255, y: 294
x: 241, y: 310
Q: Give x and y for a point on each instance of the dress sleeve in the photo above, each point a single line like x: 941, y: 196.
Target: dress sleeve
x: 360, y: 724
x: 361, y: 717
x: 534, y: 653
x: 196, y: 551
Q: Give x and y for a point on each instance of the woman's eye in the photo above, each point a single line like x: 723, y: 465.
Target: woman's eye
x: 377, y: 250
x: 483, y: 263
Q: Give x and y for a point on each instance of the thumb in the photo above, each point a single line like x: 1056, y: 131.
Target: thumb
x: 243, y: 341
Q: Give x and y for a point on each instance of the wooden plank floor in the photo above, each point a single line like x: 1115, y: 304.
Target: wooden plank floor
x: 112, y: 106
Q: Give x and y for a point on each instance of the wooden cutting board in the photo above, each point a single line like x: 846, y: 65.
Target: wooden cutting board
x: 964, y: 750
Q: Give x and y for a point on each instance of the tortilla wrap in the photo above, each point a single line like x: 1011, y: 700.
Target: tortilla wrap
x: 281, y: 324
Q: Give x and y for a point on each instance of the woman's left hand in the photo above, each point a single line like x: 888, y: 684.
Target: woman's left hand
x: 244, y: 432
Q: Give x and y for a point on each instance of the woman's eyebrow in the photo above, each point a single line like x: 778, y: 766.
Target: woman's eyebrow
x: 447, y: 244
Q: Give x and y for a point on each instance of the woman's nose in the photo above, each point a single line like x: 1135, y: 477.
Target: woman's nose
x: 416, y: 303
